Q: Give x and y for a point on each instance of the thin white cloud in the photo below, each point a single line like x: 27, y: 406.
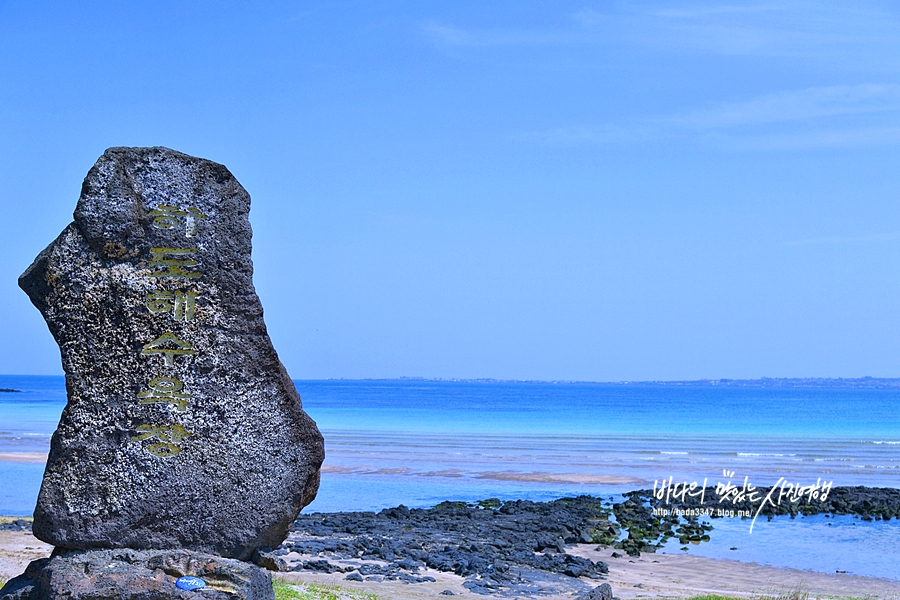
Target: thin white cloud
x: 808, y: 29
x: 822, y: 139
x: 810, y: 103
x: 877, y: 237
x: 449, y: 35
x: 850, y: 36
x: 809, y: 118
x: 707, y: 11
x: 590, y: 135
x: 812, y: 29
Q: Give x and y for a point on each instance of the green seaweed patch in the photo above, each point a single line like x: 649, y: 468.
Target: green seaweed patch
x: 646, y: 531
x: 451, y: 505
x: 605, y: 533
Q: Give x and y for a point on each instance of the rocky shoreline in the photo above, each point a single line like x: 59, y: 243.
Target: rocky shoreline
x: 516, y: 547
x: 521, y: 548
x: 651, y: 518
x: 497, y: 546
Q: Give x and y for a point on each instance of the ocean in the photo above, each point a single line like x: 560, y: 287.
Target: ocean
x: 418, y: 443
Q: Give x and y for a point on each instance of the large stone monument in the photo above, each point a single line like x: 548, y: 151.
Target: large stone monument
x: 182, y: 428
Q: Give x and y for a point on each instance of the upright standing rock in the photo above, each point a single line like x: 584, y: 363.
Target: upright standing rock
x: 182, y: 428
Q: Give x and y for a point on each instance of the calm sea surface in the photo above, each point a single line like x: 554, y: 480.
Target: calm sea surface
x: 421, y: 442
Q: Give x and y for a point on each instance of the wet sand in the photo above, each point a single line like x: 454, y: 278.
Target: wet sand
x: 17, y: 549
x: 26, y: 457
x: 650, y: 576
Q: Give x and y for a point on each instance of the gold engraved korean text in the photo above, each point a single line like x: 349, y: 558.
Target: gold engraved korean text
x: 169, y: 346
x: 165, y: 390
x: 168, y: 437
x: 173, y: 262
x: 182, y: 305
x: 166, y: 216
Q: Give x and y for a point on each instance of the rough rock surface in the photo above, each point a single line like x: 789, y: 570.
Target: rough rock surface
x: 182, y: 428
x: 137, y: 575
x: 870, y: 503
x: 17, y: 525
x: 601, y: 592
x: 518, y: 548
x: 515, y: 548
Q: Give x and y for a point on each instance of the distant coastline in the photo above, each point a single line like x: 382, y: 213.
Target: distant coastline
x: 862, y: 383
x: 835, y: 383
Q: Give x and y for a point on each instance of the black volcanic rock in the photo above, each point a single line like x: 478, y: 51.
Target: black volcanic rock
x: 182, y: 428
x: 504, y: 543
x: 137, y: 575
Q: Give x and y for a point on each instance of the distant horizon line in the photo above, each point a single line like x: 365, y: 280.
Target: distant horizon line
x: 866, y: 382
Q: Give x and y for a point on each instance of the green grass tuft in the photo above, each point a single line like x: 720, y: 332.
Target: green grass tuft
x: 315, y: 591
x: 795, y: 595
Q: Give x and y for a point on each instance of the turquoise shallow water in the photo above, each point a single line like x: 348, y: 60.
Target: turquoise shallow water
x: 817, y: 542
x: 418, y: 443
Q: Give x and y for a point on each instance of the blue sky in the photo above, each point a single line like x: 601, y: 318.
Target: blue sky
x: 568, y: 190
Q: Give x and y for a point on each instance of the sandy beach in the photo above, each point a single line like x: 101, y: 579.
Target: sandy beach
x: 24, y: 457
x: 17, y: 549
x: 663, y: 576
x: 650, y: 576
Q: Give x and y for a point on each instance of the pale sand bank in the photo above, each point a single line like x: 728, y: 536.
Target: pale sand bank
x: 670, y: 575
x: 27, y: 457
x: 534, y: 476
x: 660, y: 576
